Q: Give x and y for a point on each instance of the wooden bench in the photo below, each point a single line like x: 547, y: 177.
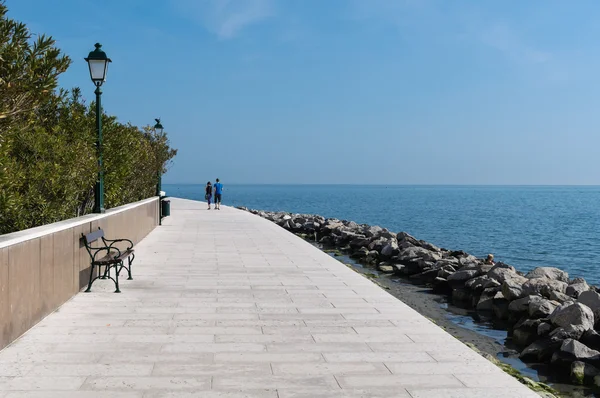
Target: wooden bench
x: 105, y: 254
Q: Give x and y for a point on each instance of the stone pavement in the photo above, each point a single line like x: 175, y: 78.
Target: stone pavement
x: 226, y: 304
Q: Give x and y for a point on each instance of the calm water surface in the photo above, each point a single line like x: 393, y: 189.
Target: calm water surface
x: 524, y: 226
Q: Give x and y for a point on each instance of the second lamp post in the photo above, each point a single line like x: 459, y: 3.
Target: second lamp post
x: 98, y: 64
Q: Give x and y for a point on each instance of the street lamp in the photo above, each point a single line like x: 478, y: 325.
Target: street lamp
x: 158, y: 128
x: 98, y: 64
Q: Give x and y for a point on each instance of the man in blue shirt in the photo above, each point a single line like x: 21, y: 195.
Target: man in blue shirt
x: 218, y: 191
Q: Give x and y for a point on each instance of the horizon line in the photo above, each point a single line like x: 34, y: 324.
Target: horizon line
x: 392, y: 184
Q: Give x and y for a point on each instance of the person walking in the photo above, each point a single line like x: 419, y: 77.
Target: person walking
x: 218, y: 194
x: 208, y: 193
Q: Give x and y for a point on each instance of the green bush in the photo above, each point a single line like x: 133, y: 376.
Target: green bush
x: 48, y: 158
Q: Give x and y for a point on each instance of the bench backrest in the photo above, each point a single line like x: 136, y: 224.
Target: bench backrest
x: 93, y: 236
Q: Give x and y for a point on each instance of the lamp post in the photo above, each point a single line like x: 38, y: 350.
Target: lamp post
x: 159, y: 129
x: 98, y: 64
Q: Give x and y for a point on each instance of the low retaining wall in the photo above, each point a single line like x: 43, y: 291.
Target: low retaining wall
x: 41, y: 268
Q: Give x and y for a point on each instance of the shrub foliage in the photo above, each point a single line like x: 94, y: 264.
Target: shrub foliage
x: 48, y: 159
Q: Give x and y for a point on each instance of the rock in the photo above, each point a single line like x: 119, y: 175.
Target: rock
x: 573, y: 314
x: 591, y: 300
x: 543, y: 286
x: 429, y: 246
x: 502, y: 272
x: 591, y: 338
x: 500, y: 306
x: 372, y: 256
x: 427, y: 275
x: 359, y: 242
x: 287, y: 217
x: 570, y: 332
x: 513, y: 288
x: 539, y: 351
x: 542, y: 308
x: 544, y: 328
x: 441, y: 285
x: 468, y: 259
x: 575, y: 289
x: 413, y: 253
x: 361, y: 253
x: 404, y: 237
x: 524, y: 336
x: 522, y: 304
x: 583, y: 373
x: 463, y: 275
x: 446, y: 271
x: 389, y: 250
x: 384, y: 267
x: 572, y: 350
x: 548, y: 273
x: 560, y: 297
x: 486, y: 300
x: 372, y: 231
x: 461, y: 295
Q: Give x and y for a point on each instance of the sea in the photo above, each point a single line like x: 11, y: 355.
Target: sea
x: 525, y: 226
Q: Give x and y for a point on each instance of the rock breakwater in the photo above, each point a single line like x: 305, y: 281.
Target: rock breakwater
x: 552, y: 318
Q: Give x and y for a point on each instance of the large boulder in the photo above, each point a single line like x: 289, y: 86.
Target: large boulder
x: 543, y: 286
x: 372, y: 231
x: 539, y: 351
x: 461, y: 295
x: 486, y: 300
x: 592, y: 300
x: 522, y: 304
x: 513, y: 288
x: 414, y: 253
x: 389, y: 250
x: 379, y: 243
x: 502, y: 272
x: 575, y: 289
x: 542, y: 308
x: 572, y: 350
x: 583, y: 373
x: 549, y: 273
x: 525, y: 332
x: 500, y: 306
x: 573, y: 314
x: 403, y: 237
x: 591, y: 338
x: 463, y: 275
x: 481, y: 282
x: 570, y: 332
x: 429, y: 246
x: 560, y: 297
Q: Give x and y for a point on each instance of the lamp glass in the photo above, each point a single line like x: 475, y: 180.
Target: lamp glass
x: 98, y: 69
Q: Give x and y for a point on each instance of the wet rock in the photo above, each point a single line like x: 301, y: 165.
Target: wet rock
x: 486, y: 300
x: 524, y: 336
x: 427, y: 275
x: 583, y: 373
x: 575, y: 289
x: 372, y: 256
x: 441, y: 285
x: 463, y: 275
x: 522, y: 304
x: 500, y: 306
x: 549, y: 273
x: 539, y: 351
x: 591, y: 300
x: 572, y: 350
x: 502, y: 272
x: 360, y: 253
x: 461, y: 295
x: 542, y: 308
x: 591, y: 338
x: 573, y: 314
x: 387, y: 268
x: 543, y: 286
x: 359, y: 242
x: 513, y: 288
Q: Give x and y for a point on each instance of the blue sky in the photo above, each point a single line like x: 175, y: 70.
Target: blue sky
x: 348, y: 91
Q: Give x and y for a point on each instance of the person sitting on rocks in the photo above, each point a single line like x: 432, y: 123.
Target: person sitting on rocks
x: 490, y: 259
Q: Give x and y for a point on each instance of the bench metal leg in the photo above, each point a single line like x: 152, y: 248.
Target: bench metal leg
x: 117, y: 268
x: 89, y: 288
x: 130, y: 260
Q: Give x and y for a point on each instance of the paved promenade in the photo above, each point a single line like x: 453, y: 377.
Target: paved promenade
x: 225, y: 304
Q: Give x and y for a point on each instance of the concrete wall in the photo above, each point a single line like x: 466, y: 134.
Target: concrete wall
x: 41, y: 268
